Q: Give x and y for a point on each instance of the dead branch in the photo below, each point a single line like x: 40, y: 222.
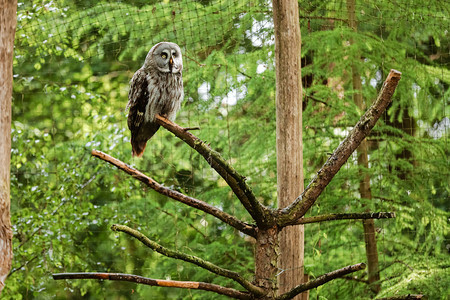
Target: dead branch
x: 404, y: 297
x: 156, y: 282
x: 190, y: 258
x: 301, y: 205
x: 236, y: 181
x: 323, y: 18
x: 349, y: 216
x: 321, y: 280
x: 201, y: 205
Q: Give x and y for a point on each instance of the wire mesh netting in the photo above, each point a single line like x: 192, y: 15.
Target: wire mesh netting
x: 72, y: 67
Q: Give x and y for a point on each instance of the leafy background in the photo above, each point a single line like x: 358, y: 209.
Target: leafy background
x: 73, y: 61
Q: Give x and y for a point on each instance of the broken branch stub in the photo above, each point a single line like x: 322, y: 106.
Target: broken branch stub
x: 296, y: 210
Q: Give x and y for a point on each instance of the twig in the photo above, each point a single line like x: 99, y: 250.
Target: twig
x: 237, y: 182
x: 191, y: 128
x: 189, y: 258
x: 302, y: 204
x: 39, y: 255
x: 349, y: 216
x: 201, y: 205
x: 317, y: 100
x: 354, y: 278
x: 404, y: 297
x: 156, y: 282
x: 402, y: 262
x: 324, y: 18
x: 321, y: 280
x: 198, y: 63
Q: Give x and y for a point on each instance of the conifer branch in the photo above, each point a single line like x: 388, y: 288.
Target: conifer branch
x: 190, y: 258
x: 201, y: 205
x: 349, y: 216
x: 303, y: 203
x: 236, y: 181
x: 232, y: 293
x: 321, y: 280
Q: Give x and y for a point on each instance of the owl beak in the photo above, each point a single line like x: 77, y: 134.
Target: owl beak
x: 170, y: 64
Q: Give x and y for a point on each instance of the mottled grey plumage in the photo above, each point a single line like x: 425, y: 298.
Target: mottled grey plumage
x: 156, y: 88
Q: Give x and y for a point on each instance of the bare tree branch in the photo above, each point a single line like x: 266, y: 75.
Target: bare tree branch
x: 301, y: 205
x: 404, y: 297
x: 190, y: 258
x: 237, y: 182
x: 156, y: 282
x: 324, y: 18
x: 349, y: 216
x: 201, y: 205
x: 321, y: 280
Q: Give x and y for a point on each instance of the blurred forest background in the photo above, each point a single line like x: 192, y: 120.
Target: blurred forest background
x: 73, y: 62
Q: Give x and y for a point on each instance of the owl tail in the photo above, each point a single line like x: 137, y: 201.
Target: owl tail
x: 139, y: 140
x: 138, y: 147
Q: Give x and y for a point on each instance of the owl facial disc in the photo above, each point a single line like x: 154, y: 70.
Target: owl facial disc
x: 167, y: 57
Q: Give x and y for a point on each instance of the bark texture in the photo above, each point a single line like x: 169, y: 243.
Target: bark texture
x: 266, y: 261
x: 8, y: 10
x: 289, y: 137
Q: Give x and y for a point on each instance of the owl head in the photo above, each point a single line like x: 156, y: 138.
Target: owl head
x: 165, y: 57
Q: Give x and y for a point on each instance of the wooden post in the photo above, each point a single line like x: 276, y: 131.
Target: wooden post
x: 289, y: 137
x: 8, y: 9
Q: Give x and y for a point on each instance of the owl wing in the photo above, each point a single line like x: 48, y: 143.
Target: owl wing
x: 137, y: 100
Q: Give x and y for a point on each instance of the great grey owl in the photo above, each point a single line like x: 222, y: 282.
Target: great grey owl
x: 156, y: 88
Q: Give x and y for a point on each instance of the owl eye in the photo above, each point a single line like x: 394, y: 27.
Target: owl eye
x: 164, y: 55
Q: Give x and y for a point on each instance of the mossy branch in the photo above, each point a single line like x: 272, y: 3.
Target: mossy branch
x: 232, y: 293
x: 236, y: 181
x: 201, y: 205
x: 349, y: 216
x: 321, y: 280
x: 190, y: 258
x: 303, y: 203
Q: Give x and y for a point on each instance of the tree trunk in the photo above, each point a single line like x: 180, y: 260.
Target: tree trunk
x: 363, y: 162
x: 266, y: 255
x: 8, y: 10
x: 289, y: 137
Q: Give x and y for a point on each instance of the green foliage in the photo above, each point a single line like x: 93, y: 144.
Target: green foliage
x: 73, y: 61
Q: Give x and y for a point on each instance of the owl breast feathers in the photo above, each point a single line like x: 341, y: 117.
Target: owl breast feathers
x: 156, y: 88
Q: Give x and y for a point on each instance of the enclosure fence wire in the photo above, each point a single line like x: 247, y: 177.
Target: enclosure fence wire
x: 73, y: 62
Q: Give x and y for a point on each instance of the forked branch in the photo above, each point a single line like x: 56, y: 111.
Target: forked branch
x: 303, y: 203
x: 232, y: 293
x: 190, y: 258
x: 321, y: 280
x: 236, y: 181
x: 349, y: 216
x: 201, y: 205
